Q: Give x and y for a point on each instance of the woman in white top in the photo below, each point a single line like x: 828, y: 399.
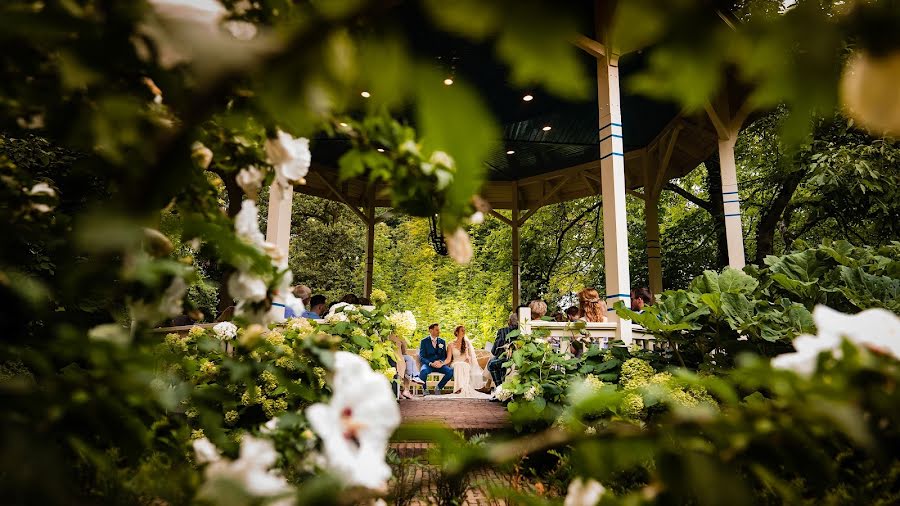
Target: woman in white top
x: 467, y: 375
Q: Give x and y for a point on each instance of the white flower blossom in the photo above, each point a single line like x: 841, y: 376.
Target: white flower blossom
x: 247, y: 287
x: 410, y: 147
x: 225, y: 331
x: 876, y: 329
x: 584, y: 493
x: 250, y: 180
x: 332, y: 318
x: 251, y: 471
x: 42, y: 190
x: 442, y: 159
x: 502, y: 394
x: 341, y: 307
x: 477, y: 218
x: 190, y: 31
x: 290, y: 157
x: 201, y: 155
x: 356, y: 425
x: 246, y: 224
x: 171, y: 303
x: 269, y: 426
x: 241, y: 30
x: 403, y: 322
x: 459, y: 246
x: 205, y: 451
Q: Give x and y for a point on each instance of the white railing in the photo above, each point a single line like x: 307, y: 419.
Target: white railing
x: 601, y: 334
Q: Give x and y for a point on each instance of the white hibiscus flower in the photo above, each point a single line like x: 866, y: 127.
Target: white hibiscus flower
x: 42, y: 190
x: 459, y: 246
x: 252, y: 471
x: 356, y: 425
x: 250, y: 180
x: 246, y: 224
x: 290, y: 157
x: 876, y: 329
x: 247, y: 287
x: 584, y: 493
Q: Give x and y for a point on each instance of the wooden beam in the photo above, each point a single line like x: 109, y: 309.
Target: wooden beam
x: 665, y: 159
x: 591, y: 46
x: 637, y: 194
x: 544, y: 198
x: 342, y: 198
x: 717, y: 121
x: 590, y: 183
x: 500, y: 217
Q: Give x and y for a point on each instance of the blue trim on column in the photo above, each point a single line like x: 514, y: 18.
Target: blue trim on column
x: 729, y: 193
x: 730, y: 201
x: 612, y: 154
x: 278, y: 304
x: 730, y: 215
x: 611, y: 124
x: 610, y: 135
x: 619, y: 295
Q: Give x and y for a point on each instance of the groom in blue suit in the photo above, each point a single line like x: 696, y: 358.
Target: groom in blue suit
x: 432, y: 354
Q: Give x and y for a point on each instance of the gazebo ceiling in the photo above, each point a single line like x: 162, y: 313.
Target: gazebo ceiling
x: 546, y: 166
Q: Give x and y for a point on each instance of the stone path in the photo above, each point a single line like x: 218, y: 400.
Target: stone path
x: 420, y: 488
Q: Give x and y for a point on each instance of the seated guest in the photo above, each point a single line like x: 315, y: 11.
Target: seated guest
x: 433, y: 357
x: 538, y: 309
x: 365, y: 301
x: 641, y: 297
x: 407, y: 371
x: 559, y: 316
x: 495, y: 364
x: 591, y: 308
x: 316, y: 308
x: 301, y: 292
x: 350, y: 299
x: 572, y: 314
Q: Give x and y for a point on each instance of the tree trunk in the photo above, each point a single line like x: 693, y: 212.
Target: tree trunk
x: 768, y: 224
x: 714, y: 188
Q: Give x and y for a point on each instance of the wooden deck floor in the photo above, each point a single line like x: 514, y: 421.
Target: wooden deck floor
x: 461, y: 414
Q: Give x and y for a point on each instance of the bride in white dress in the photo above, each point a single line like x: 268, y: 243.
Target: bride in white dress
x: 467, y: 375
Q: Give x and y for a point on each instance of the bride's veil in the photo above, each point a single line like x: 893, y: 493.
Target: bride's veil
x: 475, y: 373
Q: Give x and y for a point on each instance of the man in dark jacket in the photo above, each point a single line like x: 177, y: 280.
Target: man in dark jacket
x: 495, y: 365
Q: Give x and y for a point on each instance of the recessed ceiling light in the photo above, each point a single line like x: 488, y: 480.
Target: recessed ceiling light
x: 546, y: 128
x: 448, y: 81
x: 366, y: 94
x: 381, y: 150
x: 528, y: 98
x: 510, y: 152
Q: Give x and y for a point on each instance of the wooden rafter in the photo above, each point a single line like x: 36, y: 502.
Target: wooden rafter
x: 500, y: 217
x: 341, y: 197
x: 591, y: 46
x: 546, y: 196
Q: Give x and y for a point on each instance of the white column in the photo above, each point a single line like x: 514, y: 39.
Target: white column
x: 278, y: 227
x: 612, y: 173
x: 731, y: 202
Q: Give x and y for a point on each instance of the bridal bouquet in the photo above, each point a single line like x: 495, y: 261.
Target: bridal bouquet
x: 403, y: 323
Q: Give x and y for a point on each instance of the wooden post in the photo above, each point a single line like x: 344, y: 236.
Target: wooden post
x: 370, y: 244
x: 728, y: 126
x: 516, y: 272
x: 652, y: 184
x: 612, y: 174
x: 654, y: 253
x: 278, y: 227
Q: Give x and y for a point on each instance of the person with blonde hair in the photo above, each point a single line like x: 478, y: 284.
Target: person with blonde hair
x: 591, y: 307
x: 538, y: 309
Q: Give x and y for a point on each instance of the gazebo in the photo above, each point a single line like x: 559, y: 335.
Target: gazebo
x: 554, y: 151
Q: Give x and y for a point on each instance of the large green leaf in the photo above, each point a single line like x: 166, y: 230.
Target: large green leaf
x: 730, y: 281
x: 866, y: 290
